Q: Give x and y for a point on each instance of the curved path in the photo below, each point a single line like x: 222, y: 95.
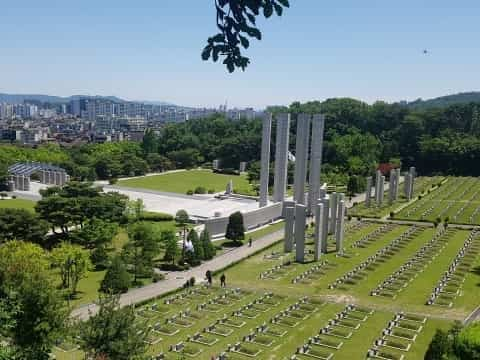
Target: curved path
x: 176, y: 280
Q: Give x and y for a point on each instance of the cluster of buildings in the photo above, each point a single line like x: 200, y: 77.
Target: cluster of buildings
x: 96, y: 119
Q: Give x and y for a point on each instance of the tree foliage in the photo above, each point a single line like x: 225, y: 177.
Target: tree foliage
x: 26, y: 287
x: 236, y: 22
x: 117, y: 279
x: 22, y: 224
x: 114, y: 333
x: 235, y: 228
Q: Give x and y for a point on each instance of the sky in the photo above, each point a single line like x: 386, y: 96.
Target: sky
x: 150, y: 50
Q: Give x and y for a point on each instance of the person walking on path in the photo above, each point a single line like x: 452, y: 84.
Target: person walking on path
x: 250, y: 242
x: 222, y: 281
x: 208, y: 275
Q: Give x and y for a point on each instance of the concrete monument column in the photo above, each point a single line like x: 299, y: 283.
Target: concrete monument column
x: 368, y: 191
x: 378, y: 175
x: 300, y: 222
x: 318, y: 126
x: 265, y: 159
x: 391, y: 188
x: 57, y: 178
x: 26, y: 183
x: 301, y: 155
x: 382, y: 190
x: 243, y: 166
x: 289, y: 227
x: 340, y: 227
x: 397, y: 182
x: 333, y: 212
x: 281, y: 157
x: 318, y: 230
x: 325, y: 222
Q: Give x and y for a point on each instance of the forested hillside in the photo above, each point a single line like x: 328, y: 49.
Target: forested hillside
x: 358, y: 136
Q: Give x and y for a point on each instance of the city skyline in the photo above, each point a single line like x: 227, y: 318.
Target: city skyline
x: 151, y: 52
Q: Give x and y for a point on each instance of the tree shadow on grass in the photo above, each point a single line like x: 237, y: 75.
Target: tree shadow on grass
x: 476, y: 271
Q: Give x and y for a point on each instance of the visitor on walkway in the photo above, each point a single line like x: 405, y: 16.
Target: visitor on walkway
x: 208, y: 275
x: 250, y: 242
x: 222, y: 281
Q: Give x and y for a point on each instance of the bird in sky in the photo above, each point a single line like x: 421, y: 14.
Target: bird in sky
x: 425, y: 51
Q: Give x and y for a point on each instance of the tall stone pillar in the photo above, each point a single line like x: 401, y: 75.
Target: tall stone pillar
x: 413, y: 171
x: 368, y: 192
x: 301, y: 155
x: 281, y: 157
x: 42, y: 176
x: 397, y: 182
x: 333, y: 212
x: 391, y: 188
x: 300, y: 222
x: 242, y: 167
x: 340, y: 227
x: 318, y: 230
x: 382, y: 190
x: 325, y: 222
x: 58, y: 178
x: 26, y: 183
x: 318, y: 126
x: 408, y: 186
x: 265, y: 159
x: 289, y: 224
x: 378, y: 175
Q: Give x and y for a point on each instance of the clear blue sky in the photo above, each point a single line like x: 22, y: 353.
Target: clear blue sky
x: 150, y: 50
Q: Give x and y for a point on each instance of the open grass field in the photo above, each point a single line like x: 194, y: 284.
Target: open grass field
x: 236, y: 315
x: 182, y: 181
x: 17, y: 204
x: 422, y: 186
x: 457, y: 200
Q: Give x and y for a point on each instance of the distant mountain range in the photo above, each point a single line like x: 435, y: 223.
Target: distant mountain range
x: 444, y: 101
x: 20, y: 98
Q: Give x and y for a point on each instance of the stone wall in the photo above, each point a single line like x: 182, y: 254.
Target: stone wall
x: 252, y: 219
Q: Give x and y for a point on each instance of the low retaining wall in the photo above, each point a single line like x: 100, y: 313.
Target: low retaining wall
x: 252, y: 219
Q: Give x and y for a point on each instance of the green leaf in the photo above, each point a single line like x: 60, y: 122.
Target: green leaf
x: 278, y: 9
x: 268, y: 9
x: 244, y: 41
x: 284, y: 3
x: 206, y: 53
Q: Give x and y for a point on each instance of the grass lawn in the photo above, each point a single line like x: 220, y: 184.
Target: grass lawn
x: 17, y: 204
x: 181, y: 182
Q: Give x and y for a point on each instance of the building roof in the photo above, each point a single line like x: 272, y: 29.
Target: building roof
x: 29, y: 168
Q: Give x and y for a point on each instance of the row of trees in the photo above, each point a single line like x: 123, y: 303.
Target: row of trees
x: 458, y: 343
x: 358, y: 136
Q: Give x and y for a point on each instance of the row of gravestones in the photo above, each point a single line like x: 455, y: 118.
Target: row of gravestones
x: 383, y: 254
x: 312, y: 273
x: 332, y: 337
x: 221, y: 327
x: 276, y: 271
x: 374, y: 235
x: 400, y: 279
x: 449, y: 285
x: 398, y: 337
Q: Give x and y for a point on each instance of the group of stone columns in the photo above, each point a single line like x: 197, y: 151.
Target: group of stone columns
x: 329, y: 213
x: 58, y: 178
x: 409, y: 183
x: 379, y: 188
x: 393, y: 185
x: 281, y: 158
x: 308, y: 156
x: 19, y: 182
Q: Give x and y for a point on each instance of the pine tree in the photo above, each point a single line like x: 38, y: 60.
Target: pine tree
x: 171, y: 246
x: 209, y: 249
x: 235, y: 229
x: 197, y: 246
x: 116, y: 280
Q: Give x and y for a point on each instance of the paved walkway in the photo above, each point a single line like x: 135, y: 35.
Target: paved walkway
x: 176, y: 280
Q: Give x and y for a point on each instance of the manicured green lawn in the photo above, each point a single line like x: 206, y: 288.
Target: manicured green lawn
x: 181, y: 182
x: 17, y: 204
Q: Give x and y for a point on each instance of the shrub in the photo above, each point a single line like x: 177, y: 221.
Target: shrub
x: 113, y: 181
x: 200, y: 190
x: 156, y: 217
x: 157, y: 277
x: 349, y: 217
x: 3, y: 195
x: 192, y: 281
x: 392, y: 214
x: 211, y: 191
x: 14, y: 196
x: 227, y: 171
x: 419, y: 197
x: 190, y: 192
